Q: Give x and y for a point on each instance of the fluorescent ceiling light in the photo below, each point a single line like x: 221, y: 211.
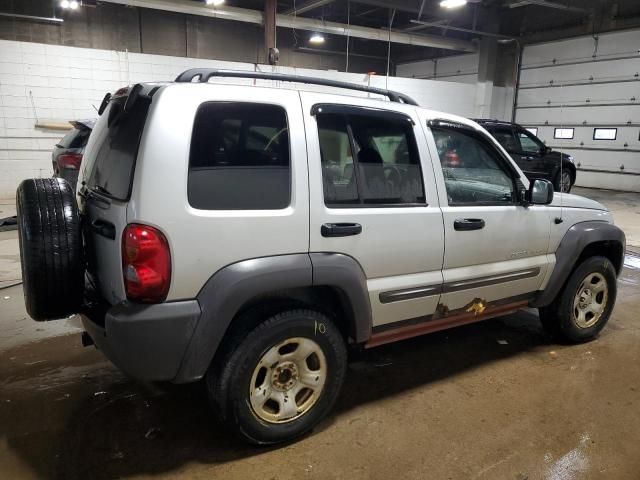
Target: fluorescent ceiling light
x: 316, y: 38
x: 453, y: 3
x: 215, y: 3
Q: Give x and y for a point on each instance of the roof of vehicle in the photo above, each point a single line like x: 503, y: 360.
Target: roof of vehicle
x: 203, y: 75
x: 494, y: 121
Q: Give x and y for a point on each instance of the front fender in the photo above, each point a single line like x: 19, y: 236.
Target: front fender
x: 574, y: 242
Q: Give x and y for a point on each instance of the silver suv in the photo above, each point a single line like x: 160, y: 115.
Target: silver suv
x: 251, y: 235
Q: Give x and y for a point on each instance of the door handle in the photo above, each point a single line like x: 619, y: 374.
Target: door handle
x: 464, y: 224
x: 340, y: 229
x: 105, y: 229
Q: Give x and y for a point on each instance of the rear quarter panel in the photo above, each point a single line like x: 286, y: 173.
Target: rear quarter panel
x: 204, y: 241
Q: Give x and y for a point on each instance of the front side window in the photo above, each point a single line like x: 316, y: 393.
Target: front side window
x: 369, y: 160
x: 239, y: 157
x: 474, y: 173
x: 528, y: 143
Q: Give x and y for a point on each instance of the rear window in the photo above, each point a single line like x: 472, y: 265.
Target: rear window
x: 75, y: 139
x: 239, y: 157
x: 117, y: 148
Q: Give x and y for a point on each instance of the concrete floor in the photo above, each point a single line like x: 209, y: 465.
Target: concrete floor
x: 496, y: 400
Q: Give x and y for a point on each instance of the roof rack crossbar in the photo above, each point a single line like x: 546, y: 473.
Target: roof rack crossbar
x: 202, y: 75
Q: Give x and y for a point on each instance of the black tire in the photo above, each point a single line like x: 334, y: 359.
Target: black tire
x: 558, y: 318
x: 50, y: 248
x: 228, y: 380
x: 557, y: 182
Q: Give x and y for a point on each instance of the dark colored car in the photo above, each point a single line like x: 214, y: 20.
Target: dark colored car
x: 67, y: 154
x: 534, y: 158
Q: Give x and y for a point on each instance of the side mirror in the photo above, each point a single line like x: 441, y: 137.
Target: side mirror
x: 545, y: 150
x: 540, y: 192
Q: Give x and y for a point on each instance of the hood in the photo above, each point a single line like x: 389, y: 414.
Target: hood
x: 576, y: 201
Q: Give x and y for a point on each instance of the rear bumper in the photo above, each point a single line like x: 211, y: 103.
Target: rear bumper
x: 147, y: 342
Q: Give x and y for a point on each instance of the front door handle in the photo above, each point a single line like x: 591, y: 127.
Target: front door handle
x: 340, y: 229
x: 464, y: 224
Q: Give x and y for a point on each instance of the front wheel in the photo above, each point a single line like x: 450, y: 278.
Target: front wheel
x: 280, y: 380
x: 583, y: 307
x: 563, y: 181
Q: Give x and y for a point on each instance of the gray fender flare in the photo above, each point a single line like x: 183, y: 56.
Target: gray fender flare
x: 233, y: 286
x: 575, y: 240
x: 345, y: 273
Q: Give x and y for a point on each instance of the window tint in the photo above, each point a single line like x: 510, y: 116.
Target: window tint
x: 116, y: 155
x: 239, y: 157
x: 473, y: 170
x: 505, y: 138
x: 528, y: 143
x: 369, y: 160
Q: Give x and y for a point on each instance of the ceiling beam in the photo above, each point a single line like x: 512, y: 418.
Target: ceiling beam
x: 301, y: 23
x: 548, y: 4
x: 307, y: 6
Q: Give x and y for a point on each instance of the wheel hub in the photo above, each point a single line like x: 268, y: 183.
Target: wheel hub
x: 590, y: 300
x: 288, y: 380
x: 284, y: 376
x: 585, y: 299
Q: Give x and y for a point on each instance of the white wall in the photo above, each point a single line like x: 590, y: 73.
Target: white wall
x: 489, y: 101
x: 41, y: 82
x: 560, y: 85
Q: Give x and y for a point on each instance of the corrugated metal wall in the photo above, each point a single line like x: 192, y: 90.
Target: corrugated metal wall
x: 582, y: 84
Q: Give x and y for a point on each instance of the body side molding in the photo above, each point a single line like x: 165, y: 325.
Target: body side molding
x: 575, y: 240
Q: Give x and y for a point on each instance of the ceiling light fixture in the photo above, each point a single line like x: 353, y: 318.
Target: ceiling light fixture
x: 316, y: 39
x: 69, y: 4
x: 453, y: 3
x: 215, y: 3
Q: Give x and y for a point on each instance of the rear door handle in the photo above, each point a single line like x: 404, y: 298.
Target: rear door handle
x: 105, y: 229
x: 464, y: 224
x: 340, y: 229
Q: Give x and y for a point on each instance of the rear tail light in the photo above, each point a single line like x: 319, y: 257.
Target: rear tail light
x: 71, y: 161
x: 146, y: 264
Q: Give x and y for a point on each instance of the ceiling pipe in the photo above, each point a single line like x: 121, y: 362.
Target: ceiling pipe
x: 460, y: 29
x: 32, y: 17
x: 289, y: 21
x: 307, y: 6
x: 548, y: 4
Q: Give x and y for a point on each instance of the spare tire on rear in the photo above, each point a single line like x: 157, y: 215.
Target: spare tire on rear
x: 50, y: 248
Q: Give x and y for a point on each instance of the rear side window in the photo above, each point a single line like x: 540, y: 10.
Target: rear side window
x: 369, y: 159
x: 112, y: 172
x: 239, y: 157
x: 75, y: 139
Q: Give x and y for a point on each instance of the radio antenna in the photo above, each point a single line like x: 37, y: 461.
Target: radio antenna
x: 560, y: 219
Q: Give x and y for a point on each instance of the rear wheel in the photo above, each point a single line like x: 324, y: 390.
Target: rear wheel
x: 583, y: 307
x: 51, y: 249
x: 281, y: 379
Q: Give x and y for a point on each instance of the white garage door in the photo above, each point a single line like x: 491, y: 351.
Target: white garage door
x: 583, y: 96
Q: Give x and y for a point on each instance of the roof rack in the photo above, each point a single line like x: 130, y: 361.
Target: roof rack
x: 202, y: 75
